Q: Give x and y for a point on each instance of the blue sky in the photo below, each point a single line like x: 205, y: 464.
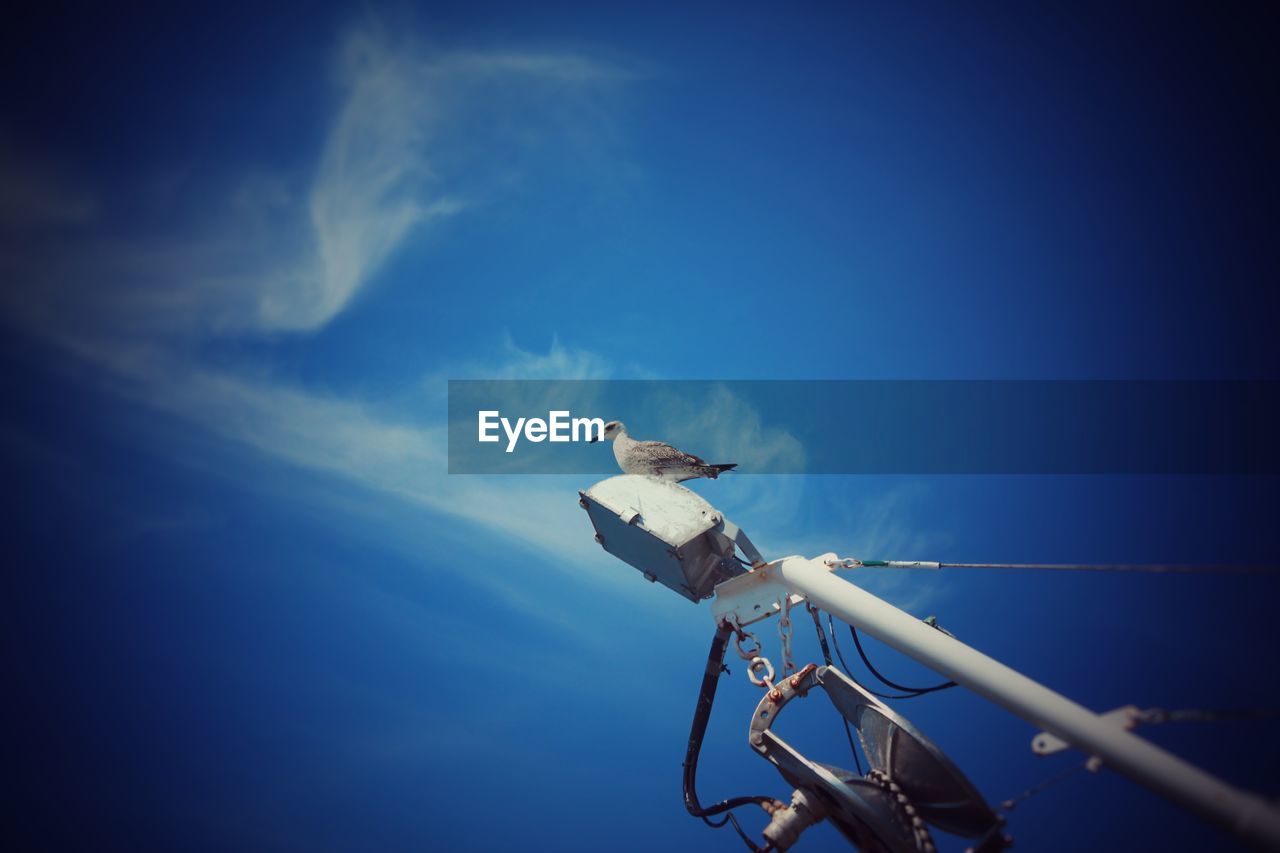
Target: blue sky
x: 244, y: 250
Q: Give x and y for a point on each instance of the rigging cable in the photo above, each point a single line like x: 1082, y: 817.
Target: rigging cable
x: 1207, y: 715
x: 1157, y: 568
x: 1149, y: 715
x: 701, y: 716
x: 1066, y: 773
x: 826, y: 658
x: 915, y: 691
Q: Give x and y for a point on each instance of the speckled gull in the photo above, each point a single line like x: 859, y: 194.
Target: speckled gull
x: 656, y: 459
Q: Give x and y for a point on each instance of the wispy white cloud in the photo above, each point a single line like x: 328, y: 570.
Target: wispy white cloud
x: 405, y: 147
x: 370, y: 447
x: 373, y: 185
x: 278, y: 255
x: 379, y: 176
x: 566, y: 68
x: 507, y: 360
x: 726, y: 425
x: 848, y: 516
x: 723, y: 427
x: 275, y: 254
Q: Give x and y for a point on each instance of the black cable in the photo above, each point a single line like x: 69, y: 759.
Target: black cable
x: 826, y: 658
x: 746, y: 839
x: 916, y: 691
x: 701, y: 716
x: 849, y: 672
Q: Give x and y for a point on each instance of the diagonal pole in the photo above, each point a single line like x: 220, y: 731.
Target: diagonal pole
x: 1242, y: 813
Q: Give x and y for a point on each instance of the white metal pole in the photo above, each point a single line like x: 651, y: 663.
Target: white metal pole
x: 1245, y: 814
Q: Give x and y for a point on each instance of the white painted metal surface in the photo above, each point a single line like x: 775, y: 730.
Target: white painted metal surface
x: 751, y: 597
x: 1244, y: 814
x: 1126, y: 718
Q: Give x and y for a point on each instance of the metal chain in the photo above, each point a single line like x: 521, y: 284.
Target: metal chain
x: 923, y: 838
x: 744, y: 635
x: 784, y: 633
x: 759, y: 669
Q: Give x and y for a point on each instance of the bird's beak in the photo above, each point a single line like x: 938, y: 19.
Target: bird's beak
x: 593, y: 439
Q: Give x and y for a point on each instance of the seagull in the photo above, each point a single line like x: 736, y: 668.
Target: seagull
x: 656, y: 459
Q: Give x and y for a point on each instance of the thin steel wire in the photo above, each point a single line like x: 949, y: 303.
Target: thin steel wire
x: 1157, y: 568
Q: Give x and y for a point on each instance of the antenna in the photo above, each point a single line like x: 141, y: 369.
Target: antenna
x: 675, y: 537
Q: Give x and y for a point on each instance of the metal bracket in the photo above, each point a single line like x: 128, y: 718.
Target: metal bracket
x: 739, y: 537
x: 756, y: 595
x: 1126, y: 718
